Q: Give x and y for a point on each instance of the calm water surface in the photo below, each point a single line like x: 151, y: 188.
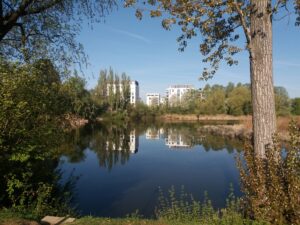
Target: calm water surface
x: 121, y: 167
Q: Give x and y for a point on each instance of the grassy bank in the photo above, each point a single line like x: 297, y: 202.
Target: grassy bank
x: 234, y: 220
x: 194, y: 117
x: 174, y: 208
x: 10, y: 219
x: 241, y: 130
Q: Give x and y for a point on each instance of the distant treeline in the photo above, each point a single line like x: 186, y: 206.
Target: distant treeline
x: 231, y: 99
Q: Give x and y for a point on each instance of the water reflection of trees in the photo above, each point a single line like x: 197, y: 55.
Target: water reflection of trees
x: 217, y: 143
x: 113, y: 144
x: 33, y: 185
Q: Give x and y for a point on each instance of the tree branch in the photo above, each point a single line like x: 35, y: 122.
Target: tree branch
x: 276, y: 6
x: 23, y: 33
x: 243, y: 22
x: 1, y: 12
x: 8, y: 5
x: 10, y: 20
x: 41, y: 8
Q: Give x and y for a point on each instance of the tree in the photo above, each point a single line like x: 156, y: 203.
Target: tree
x: 296, y: 106
x: 47, y: 72
x: 31, y: 29
x: 239, y: 100
x: 229, y: 88
x: 79, y: 98
x: 117, y: 93
x: 282, y: 101
x: 30, y: 129
x: 212, y: 100
x: 99, y: 93
x: 191, y: 99
x: 125, y: 80
x: 215, y: 102
x: 112, y: 91
x: 220, y: 22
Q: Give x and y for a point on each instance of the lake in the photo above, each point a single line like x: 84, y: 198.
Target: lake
x: 121, y: 168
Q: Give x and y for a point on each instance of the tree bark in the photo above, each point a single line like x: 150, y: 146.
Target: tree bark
x: 261, y: 72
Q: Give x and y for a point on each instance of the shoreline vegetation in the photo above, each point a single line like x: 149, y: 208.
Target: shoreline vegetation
x: 235, y: 127
x: 75, y: 122
x: 241, y: 127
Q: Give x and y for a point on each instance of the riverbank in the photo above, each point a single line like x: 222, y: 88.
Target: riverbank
x: 74, y: 122
x: 233, y: 219
x: 230, y: 218
x: 240, y: 129
x: 194, y: 117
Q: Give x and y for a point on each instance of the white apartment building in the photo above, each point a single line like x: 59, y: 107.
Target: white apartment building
x: 162, y: 100
x: 175, y: 93
x: 134, y: 90
x: 152, y: 99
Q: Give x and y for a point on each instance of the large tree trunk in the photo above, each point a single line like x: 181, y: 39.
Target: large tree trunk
x: 261, y: 69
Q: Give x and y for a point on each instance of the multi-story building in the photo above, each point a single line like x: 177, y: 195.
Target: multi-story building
x: 134, y: 92
x: 175, y: 93
x: 153, y: 99
x: 133, y: 89
x: 162, y: 100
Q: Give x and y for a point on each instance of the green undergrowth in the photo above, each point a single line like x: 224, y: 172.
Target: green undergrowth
x: 179, y: 208
x: 174, y: 208
x: 12, y: 217
x: 109, y: 221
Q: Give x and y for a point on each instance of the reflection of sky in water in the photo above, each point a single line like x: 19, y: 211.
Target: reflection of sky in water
x: 161, y: 160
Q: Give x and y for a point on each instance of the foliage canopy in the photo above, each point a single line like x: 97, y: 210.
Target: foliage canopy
x: 34, y: 29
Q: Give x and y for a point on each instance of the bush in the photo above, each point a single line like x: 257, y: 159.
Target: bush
x: 272, y: 184
x: 184, y: 209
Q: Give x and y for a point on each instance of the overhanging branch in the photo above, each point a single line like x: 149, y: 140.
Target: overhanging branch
x: 41, y: 8
x: 243, y: 22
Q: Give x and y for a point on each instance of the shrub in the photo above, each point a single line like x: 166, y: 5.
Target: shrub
x: 272, y: 184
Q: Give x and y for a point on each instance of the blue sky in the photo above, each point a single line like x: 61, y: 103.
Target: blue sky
x: 149, y: 54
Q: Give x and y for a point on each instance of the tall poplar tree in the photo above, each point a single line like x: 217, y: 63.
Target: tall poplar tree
x: 220, y: 23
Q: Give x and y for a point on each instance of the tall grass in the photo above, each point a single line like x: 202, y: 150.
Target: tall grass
x: 181, y: 208
x: 271, y: 185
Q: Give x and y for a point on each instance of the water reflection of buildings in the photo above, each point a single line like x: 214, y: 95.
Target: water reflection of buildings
x: 134, y: 142
x: 154, y: 133
x: 126, y: 142
x: 176, y: 140
x: 173, y: 138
